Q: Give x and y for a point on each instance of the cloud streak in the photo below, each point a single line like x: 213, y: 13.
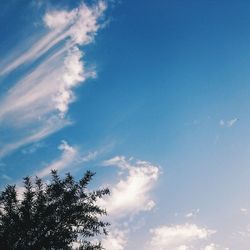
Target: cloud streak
x: 37, y: 105
x: 71, y: 157
x: 77, y: 27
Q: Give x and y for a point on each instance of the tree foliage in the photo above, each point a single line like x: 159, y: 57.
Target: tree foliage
x: 51, y: 215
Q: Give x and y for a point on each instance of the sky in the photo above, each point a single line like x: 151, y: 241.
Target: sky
x: 153, y: 96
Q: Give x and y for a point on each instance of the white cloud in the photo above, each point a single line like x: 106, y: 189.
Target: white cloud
x: 44, y: 91
x: 193, y: 213
x: 37, y: 105
x: 132, y: 192
x: 70, y: 157
x: 130, y: 196
x: 86, y: 25
x: 73, y: 75
x: 59, y: 19
x: 116, y: 240
x: 76, y: 27
x: 228, y: 123
x: 213, y: 246
x: 178, y: 237
x: 222, y: 123
x: 244, y: 210
x: 20, y: 137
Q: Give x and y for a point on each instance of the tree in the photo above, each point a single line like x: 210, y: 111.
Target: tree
x: 53, y: 215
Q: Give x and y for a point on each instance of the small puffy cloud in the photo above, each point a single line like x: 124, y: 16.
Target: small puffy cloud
x: 228, y: 123
x: 244, y: 210
x: 178, y: 237
x: 193, y: 213
x: 222, y: 123
x: 132, y: 192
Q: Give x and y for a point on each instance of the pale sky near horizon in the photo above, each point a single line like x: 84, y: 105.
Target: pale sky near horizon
x: 151, y: 95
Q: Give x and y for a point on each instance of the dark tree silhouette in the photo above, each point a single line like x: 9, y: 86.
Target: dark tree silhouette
x: 52, y: 216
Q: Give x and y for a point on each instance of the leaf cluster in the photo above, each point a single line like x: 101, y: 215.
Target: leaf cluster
x: 52, y: 215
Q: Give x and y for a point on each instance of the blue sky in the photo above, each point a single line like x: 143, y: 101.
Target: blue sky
x: 153, y: 96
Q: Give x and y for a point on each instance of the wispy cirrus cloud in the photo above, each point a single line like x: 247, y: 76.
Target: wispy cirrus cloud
x: 15, y: 138
x: 75, y: 27
x: 33, y: 148
x: 37, y: 104
x: 71, y: 157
